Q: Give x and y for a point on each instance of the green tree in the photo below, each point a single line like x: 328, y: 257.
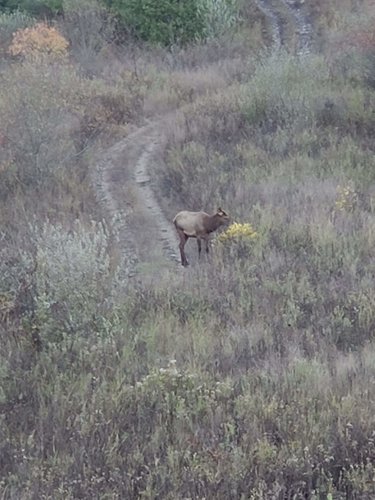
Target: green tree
x: 34, y: 7
x: 165, y: 21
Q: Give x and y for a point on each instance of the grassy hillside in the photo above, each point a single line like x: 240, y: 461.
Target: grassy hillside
x: 249, y: 375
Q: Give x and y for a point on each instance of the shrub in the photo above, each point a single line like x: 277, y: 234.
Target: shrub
x: 169, y: 22
x: 105, y: 107
x: 347, y: 198
x: 38, y: 101
x: 74, y: 280
x: 37, y: 41
x: 90, y: 28
x: 236, y: 241
x: 165, y: 22
x: 219, y: 16
x: 284, y: 93
x: 41, y: 8
x: 354, y: 49
x: 237, y: 231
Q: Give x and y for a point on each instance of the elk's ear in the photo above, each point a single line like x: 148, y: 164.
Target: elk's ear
x: 219, y: 210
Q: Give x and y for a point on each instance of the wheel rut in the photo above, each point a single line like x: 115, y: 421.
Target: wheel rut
x: 303, y: 27
x: 146, y: 193
x: 275, y: 22
x: 288, y: 24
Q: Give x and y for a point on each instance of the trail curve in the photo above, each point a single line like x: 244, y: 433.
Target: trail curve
x: 123, y: 177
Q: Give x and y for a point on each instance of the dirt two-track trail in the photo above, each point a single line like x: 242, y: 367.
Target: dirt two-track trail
x: 288, y: 25
x: 124, y: 176
x: 124, y: 184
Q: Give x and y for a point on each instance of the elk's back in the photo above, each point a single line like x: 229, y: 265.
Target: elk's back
x: 191, y: 223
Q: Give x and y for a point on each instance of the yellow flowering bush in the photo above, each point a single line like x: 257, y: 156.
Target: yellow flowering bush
x: 346, y: 198
x: 37, y: 41
x: 238, y: 231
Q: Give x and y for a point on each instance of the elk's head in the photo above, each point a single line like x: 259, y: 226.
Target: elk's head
x: 222, y: 216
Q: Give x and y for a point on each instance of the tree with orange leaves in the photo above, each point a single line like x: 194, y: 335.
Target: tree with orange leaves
x: 38, y: 40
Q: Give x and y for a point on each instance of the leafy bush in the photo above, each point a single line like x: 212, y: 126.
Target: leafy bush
x: 165, y: 22
x: 236, y: 241
x: 170, y: 22
x: 40, y: 8
x: 38, y: 40
x: 73, y: 280
x: 219, y: 16
x: 238, y: 231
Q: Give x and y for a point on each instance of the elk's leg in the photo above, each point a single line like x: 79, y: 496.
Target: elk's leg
x: 207, y: 245
x: 183, y: 240
x: 199, y: 247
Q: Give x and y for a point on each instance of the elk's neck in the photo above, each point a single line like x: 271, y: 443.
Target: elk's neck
x: 213, y: 223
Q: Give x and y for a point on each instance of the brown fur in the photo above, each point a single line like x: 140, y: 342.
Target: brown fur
x: 197, y: 225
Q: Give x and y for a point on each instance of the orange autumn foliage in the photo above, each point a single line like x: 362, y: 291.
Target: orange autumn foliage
x: 38, y: 40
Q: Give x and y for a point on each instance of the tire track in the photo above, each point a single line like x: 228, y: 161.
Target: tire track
x: 284, y: 16
x: 165, y: 231
x: 117, y: 215
x: 275, y: 22
x: 304, y: 29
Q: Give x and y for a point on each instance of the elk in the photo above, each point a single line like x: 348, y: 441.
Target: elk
x: 197, y: 225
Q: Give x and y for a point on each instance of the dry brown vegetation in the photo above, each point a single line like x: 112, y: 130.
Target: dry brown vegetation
x: 251, y: 375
